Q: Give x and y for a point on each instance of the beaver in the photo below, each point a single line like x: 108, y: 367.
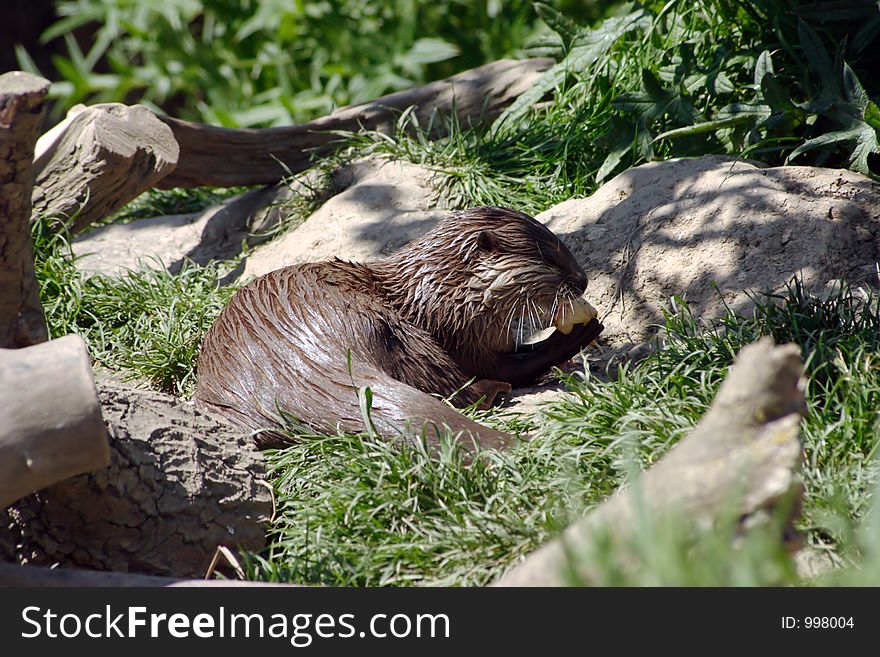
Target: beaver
x: 487, y: 300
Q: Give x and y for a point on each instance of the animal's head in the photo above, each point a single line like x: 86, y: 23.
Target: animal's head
x: 492, y: 277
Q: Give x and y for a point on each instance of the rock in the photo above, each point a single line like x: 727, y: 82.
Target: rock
x: 180, y: 483
x: 384, y: 205
x: 683, y: 226
x: 216, y: 233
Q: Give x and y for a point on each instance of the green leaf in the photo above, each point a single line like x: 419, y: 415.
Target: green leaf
x: 853, y: 89
x: 774, y: 95
x: 705, y: 126
x: 620, y: 140
x: 77, y: 59
x: 548, y: 45
x: 872, y: 115
x: 866, y: 144
x: 864, y: 136
x: 566, y: 28
x: 365, y: 401
x: 264, y: 19
x: 838, y: 11
x: 429, y: 51
x: 70, y: 23
x: 817, y: 58
x: 721, y: 84
x: 634, y: 102
x: 25, y: 62
x: 270, y: 114
x: 763, y: 67
x: 652, y: 85
x: 687, y: 63
x: 866, y: 35
x: 103, y: 41
x: 745, y: 110
x: 644, y: 142
x: 827, y: 139
x: 70, y: 72
x: 654, y: 101
x: 830, y: 95
x: 612, y: 161
x: 589, y: 47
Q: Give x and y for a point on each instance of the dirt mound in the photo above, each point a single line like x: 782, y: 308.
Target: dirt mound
x: 687, y: 227
x: 382, y: 205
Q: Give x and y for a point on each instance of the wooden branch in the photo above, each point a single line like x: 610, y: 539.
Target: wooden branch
x: 746, y: 448
x: 22, y: 105
x: 98, y: 159
x: 225, y: 157
x: 12, y: 575
x: 180, y: 483
x: 50, y: 421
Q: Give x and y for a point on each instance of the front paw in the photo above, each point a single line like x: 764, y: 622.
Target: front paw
x: 488, y: 390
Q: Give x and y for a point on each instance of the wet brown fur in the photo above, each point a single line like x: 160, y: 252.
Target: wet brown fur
x: 449, y: 308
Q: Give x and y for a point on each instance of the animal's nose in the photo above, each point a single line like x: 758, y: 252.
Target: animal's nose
x: 580, y: 279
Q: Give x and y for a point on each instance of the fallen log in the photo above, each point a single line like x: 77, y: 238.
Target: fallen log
x: 98, y: 159
x: 50, y: 421
x: 225, y: 157
x: 180, y: 483
x: 22, y: 105
x: 745, y: 449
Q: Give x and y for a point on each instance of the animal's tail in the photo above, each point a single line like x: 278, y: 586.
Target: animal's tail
x: 395, y: 411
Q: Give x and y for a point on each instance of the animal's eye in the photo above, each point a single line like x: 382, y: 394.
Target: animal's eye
x: 487, y: 241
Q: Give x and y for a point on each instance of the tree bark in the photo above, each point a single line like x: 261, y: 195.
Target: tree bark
x: 98, y: 159
x: 50, y: 421
x: 225, y: 157
x: 22, y: 105
x: 180, y: 483
x: 745, y: 449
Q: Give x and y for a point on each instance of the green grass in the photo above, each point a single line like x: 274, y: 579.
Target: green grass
x: 158, y: 202
x: 353, y: 511
x: 148, y: 324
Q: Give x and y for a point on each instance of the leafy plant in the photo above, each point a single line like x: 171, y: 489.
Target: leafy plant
x: 272, y: 62
x: 577, y: 49
x: 711, y: 76
x: 843, y: 101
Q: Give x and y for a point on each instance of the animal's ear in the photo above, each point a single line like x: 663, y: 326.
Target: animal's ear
x: 487, y: 241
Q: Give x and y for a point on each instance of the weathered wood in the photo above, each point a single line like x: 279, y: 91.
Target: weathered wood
x: 224, y: 157
x: 98, y: 159
x: 50, y: 421
x: 180, y: 483
x: 22, y: 105
x: 745, y: 449
x: 12, y: 575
